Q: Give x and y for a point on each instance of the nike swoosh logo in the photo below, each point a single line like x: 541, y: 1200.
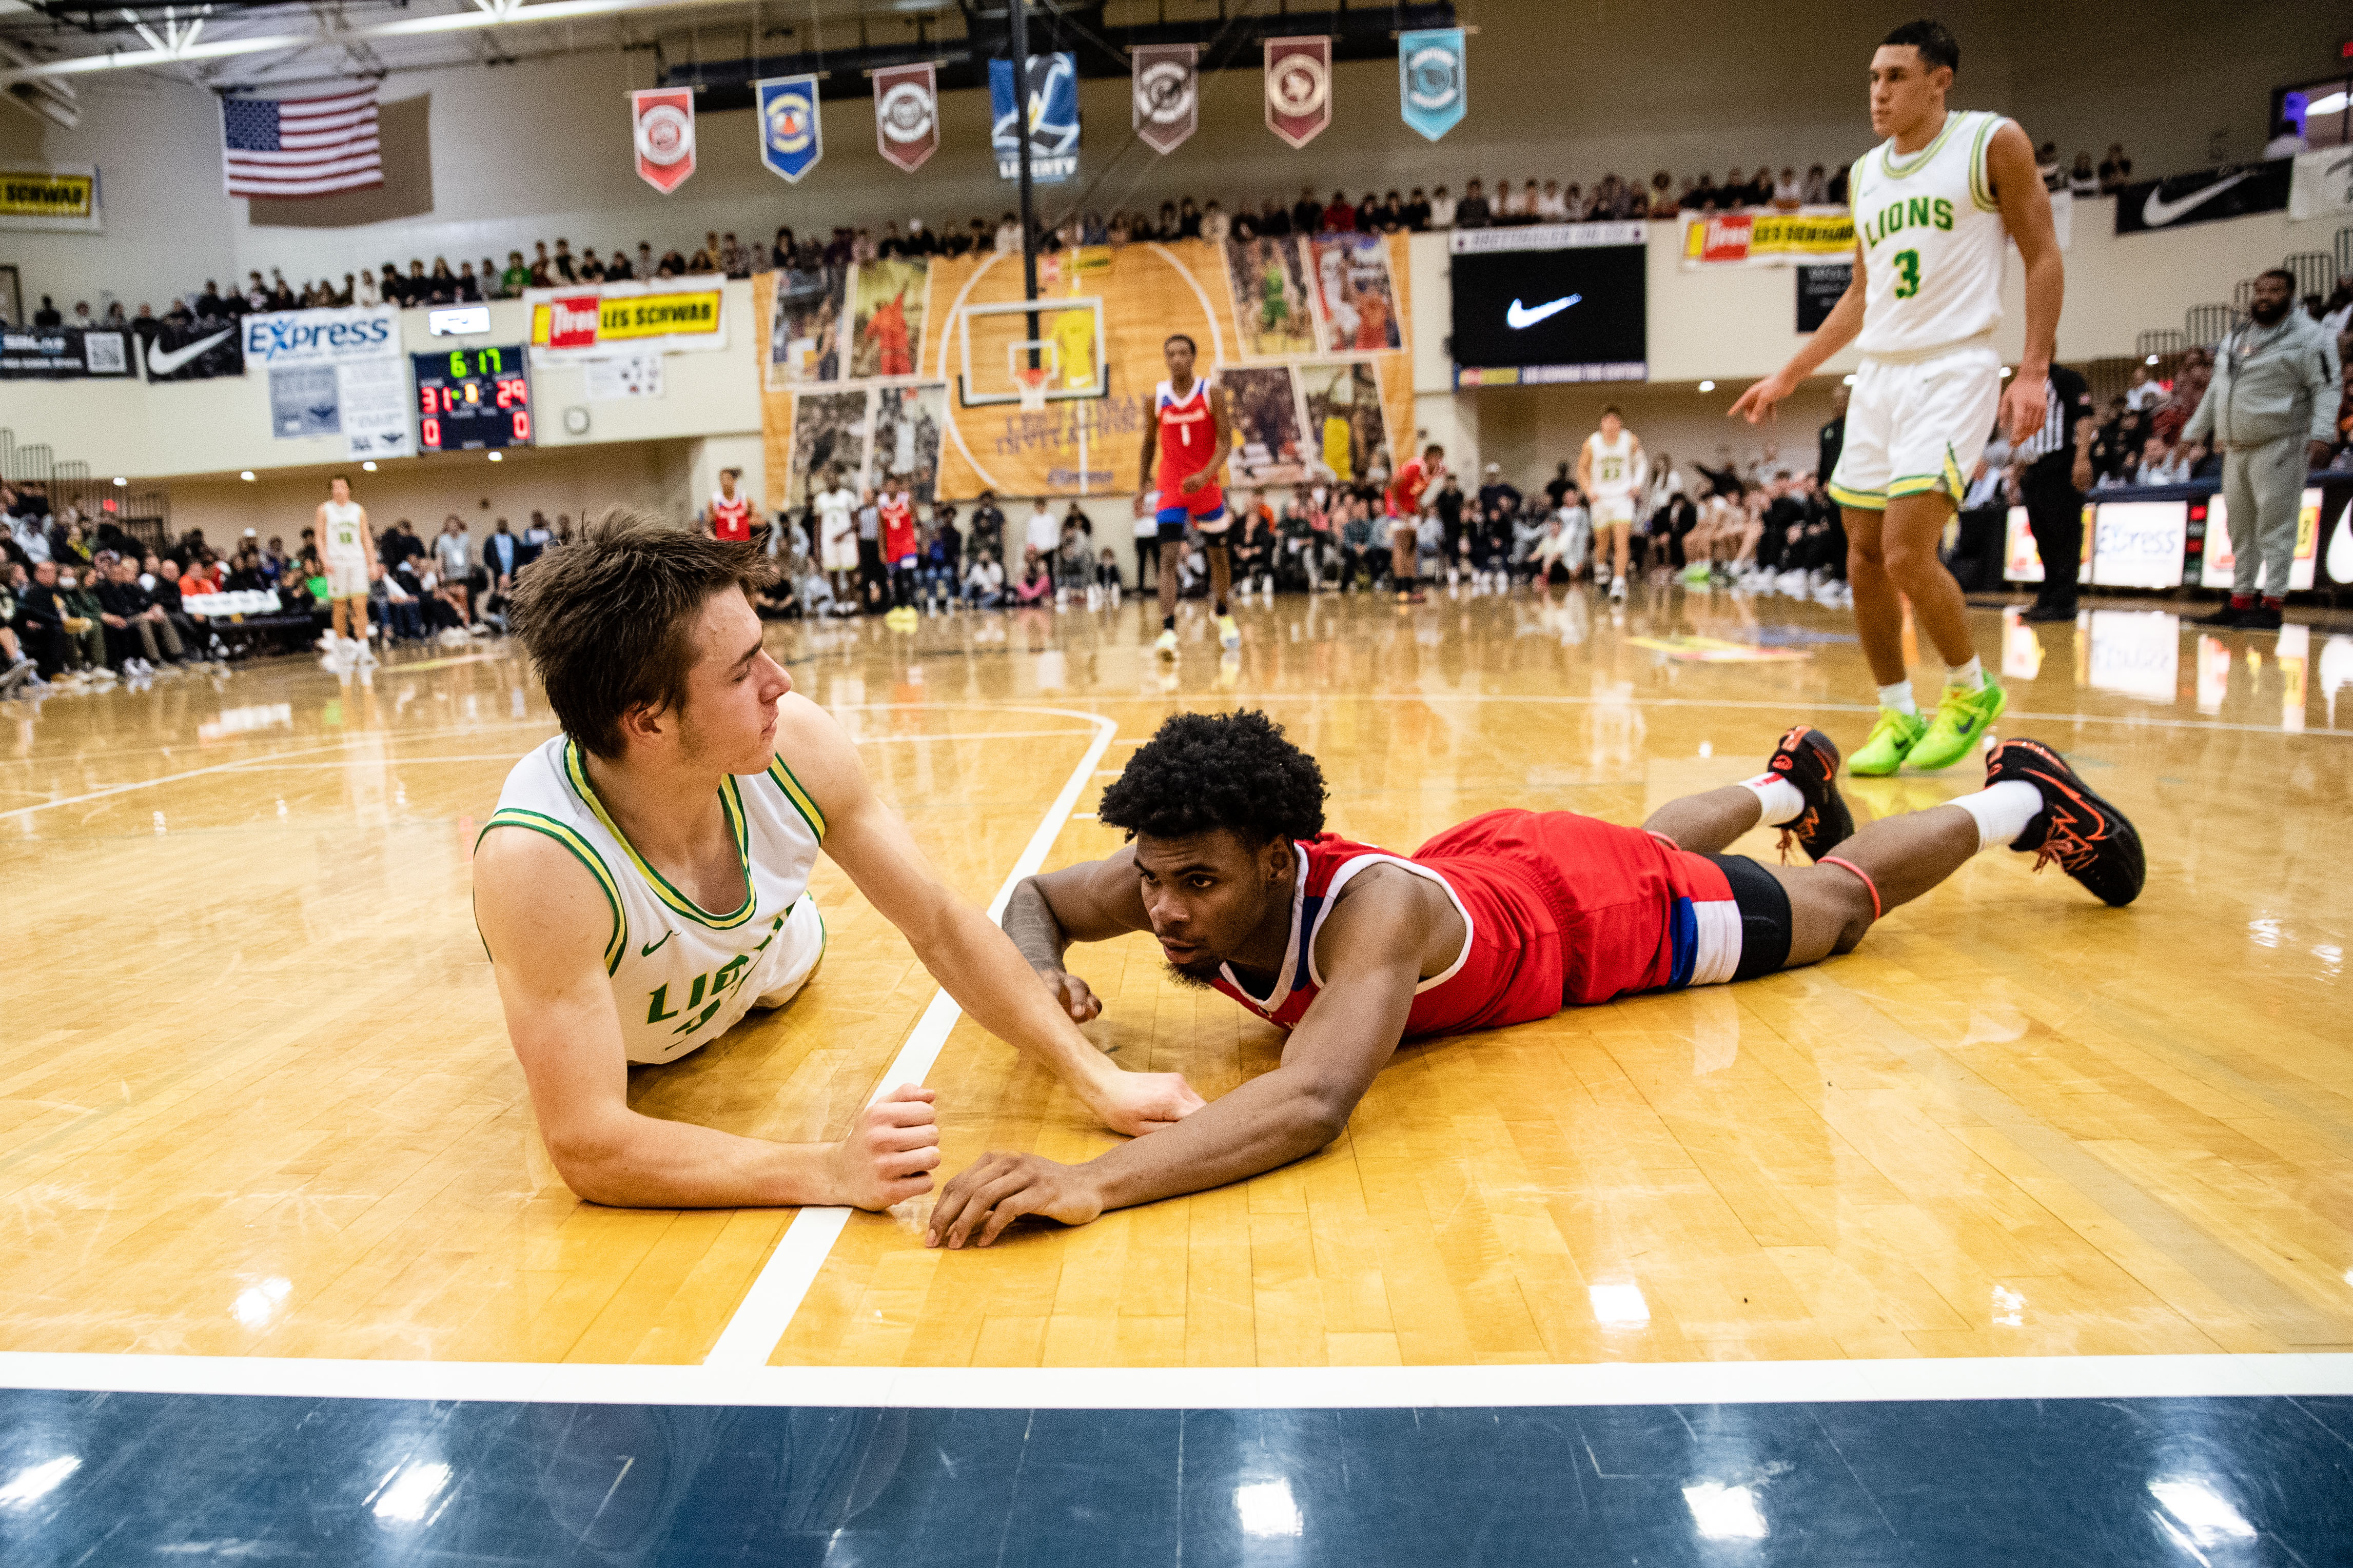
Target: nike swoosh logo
x: 2158, y: 214
x: 1520, y: 315
x: 164, y: 362
x: 649, y: 948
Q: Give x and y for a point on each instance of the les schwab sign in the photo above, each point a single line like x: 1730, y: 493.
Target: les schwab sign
x: 592, y: 324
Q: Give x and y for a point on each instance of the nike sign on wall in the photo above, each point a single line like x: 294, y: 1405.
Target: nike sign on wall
x: 162, y: 362
x: 1520, y: 315
x: 2157, y: 213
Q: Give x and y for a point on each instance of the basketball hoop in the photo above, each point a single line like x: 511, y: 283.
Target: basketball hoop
x: 1030, y: 381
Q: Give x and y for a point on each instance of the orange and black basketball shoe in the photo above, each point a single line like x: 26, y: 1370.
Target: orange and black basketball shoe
x: 1810, y: 760
x: 2091, y: 839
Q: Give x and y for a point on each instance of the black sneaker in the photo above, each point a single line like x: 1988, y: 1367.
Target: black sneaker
x: 2091, y: 839
x: 2261, y: 618
x: 1810, y: 760
x: 2228, y: 616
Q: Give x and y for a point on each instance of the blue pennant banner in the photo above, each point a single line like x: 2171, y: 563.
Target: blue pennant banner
x: 1051, y: 120
x: 791, y: 139
x: 1432, y: 89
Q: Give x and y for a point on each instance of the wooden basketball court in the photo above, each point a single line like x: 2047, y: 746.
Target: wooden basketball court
x: 256, y: 1100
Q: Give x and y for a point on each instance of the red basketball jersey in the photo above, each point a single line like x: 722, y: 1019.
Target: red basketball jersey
x: 898, y: 515
x: 731, y: 518
x: 1561, y: 910
x: 1403, y: 497
x: 1188, y: 434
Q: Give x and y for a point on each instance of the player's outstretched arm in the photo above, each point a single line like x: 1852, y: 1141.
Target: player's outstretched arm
x: 1372, y: 950
x: 960, y: 947
x: 1093, y: 902
x: 1839, y: 329
x: 546, y: 923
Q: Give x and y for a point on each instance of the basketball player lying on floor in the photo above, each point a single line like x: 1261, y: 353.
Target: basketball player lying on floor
x: 1500, y: 919
x: 644, y: 885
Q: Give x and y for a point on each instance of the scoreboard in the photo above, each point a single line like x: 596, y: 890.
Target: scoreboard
x: 469, y: 399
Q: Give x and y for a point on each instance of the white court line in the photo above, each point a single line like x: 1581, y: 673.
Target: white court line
x: 767, y: 1308
x: 111, y: 790
x: 1202, y: 1388
x: 264, y: 766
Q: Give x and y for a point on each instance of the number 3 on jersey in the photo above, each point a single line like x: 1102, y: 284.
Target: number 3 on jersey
x: 1907, y: 274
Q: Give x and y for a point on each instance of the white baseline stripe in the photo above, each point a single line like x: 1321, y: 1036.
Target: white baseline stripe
x: 1202, y: 1388
x: 169, y: 778
x: 767, y: 1308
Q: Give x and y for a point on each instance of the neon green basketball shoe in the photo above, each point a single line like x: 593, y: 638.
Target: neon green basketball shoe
x: 1892, y: 740
x: 1962, y: 719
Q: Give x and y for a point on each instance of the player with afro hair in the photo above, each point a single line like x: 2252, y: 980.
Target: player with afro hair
x: 1505, y: 919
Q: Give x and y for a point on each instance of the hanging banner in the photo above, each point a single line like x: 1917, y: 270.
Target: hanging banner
x: 64, y: 353
x: 670, y: 315
x: 661, y: 120
x: 1298, y: 88
x: 1048, y: 115
x: 1430, y: 79
x: 50, y: 198
x: 1167, y: 92
x: 907, y: 115
x: 791, y: 139
x: 1768, y: 239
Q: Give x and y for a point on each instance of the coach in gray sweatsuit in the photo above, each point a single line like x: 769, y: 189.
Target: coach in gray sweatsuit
x: 2270, y: 410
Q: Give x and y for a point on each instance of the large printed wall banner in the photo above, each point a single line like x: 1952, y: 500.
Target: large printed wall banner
x: 907, y: 115
x: 1298, y: 88
x: 886, y: 334
x: 666, y: 316
x: 1768, y: 239
x: 2204, y: 196
x: 2323, y: 186
x: 50, y: 198
x: 196, y: 350
x: 1167, y: 95
x: 322, y: 337
x: 792, y: 137
x: 661, y: 126
x: 1431, y: 80
x: 64, y: 353
x: 1049, y: 112
x: 805, y: 325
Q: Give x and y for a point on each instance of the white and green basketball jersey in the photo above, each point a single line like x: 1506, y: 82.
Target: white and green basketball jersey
x: 681, y: 975
x: 1613, y: 464
x: 1932, y: 239
x: 344, y: 537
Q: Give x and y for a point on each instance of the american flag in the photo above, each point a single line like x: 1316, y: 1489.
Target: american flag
x: 301, y: 146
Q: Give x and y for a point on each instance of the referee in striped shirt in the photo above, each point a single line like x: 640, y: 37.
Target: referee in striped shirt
x: 2058, y: 458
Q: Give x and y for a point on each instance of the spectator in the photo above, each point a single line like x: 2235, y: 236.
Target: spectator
x: 2116, y: 168
x: 453, y: 564
x: 1036, y: 584
x: 1789, y: 191
x: 617, y: 266
x: 134, y: 621
x: 2046, y: 164
x: 1307, y: 213
x: 47, y: 315
x: 40, y: 620
x: 1415, y: 214
x: 984, y: 582
x: 2272, y: 408
x: 987, y: 531
x: 1009, y: 236
x: 2190, y: 385
x: 1216, y: 226
x: 1815, y: 190
x: 1442, y: 209
x: 2160, y: 465
x: 1041, y: 535
x: 1472, y: 211
x: 2083, y: 179
x: 2144, y: 393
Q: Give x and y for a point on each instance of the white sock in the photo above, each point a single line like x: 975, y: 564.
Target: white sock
x: 1780, y: 799
x: 1897, y: 694
x: 2003, y: 810
x: 1969, y: 676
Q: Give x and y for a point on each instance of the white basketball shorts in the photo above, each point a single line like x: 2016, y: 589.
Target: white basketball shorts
x: 1914, y: 426
x: 841, y: 552
x: 1608, y: 509
x: 347, y: 577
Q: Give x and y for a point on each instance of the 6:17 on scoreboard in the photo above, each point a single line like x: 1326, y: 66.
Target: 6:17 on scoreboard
x: 470, y: 399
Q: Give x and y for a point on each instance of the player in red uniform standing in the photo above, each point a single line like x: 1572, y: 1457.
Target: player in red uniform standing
x: 1192, y: 436
x: 730, y: 514
x: 1505, y: 919
x: 901, y: 550
x: 1402, y: 502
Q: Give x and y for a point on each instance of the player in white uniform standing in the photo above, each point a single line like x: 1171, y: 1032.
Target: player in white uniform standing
x: 1933, y: 206
x: 837, y: 532
x: 644, y: 884
x: 1610, y: 469
x: 346, y: 545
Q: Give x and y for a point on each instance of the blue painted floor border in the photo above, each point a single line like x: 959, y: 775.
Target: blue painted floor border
x: 101, y: 1479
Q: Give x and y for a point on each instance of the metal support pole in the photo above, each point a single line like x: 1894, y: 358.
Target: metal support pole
x: 1021, y: 9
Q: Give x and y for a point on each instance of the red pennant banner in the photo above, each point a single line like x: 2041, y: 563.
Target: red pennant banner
x: 661, y: 123
x: 907, y: 114
x: 1298, y: 88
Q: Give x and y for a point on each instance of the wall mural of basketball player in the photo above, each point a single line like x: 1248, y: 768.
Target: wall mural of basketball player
x: 887, y: 326
x: 1271, y: 311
